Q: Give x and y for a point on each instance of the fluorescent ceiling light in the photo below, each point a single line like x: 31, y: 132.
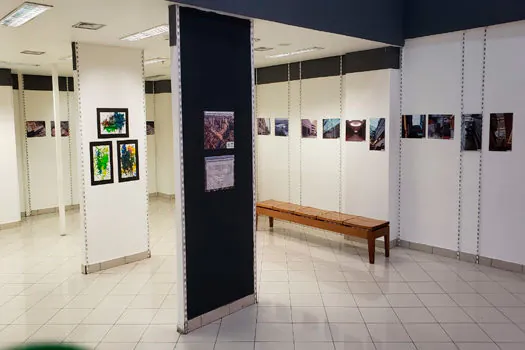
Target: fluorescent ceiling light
x: 263, y: 48
x: 299, y: 52
x: 155, y: 60
x: 148, y: 33
x: 23, y: 13
x: 16, y: 64
x: 31, y: 52
x: 88, y: 26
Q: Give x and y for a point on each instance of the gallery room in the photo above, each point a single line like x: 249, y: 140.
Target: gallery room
x: 199, y: 175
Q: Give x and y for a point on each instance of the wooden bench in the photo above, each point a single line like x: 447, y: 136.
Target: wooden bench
x: 357, y: 226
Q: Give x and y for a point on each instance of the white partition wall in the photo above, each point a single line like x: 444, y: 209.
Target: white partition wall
x: 9, y: 187
x: 115, y: 215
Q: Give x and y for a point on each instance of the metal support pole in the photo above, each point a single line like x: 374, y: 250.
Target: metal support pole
x: 58, y: 152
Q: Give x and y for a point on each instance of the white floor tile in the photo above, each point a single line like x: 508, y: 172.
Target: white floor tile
x: 486, y: 315
x: 414, y: 315
x: 350, y: 333
x: 160, y: 334
x: 88, y: 333
x: 309, y: 314
x: 116, y: 346
x: 504, y: 332
x: 354, y: 346
x: 274, y: 332
x: 52, y: 333
x: 274, y: 346
x: 388, y: 333
x: 465, y: 333
x: 311, y: 332
x: 124, y: 333
x: 427, y: 333
x: 268, y: 314
x: 344, y: 315
x: 450, y: 315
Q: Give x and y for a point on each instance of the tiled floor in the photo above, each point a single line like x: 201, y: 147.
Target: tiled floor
x: 316, y: 292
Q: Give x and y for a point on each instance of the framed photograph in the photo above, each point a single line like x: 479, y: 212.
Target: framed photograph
x: 309, y: 128
x: 471, y: 132
x: 101, y: 155
x: 64, y: 128
x: 263, y: 126
x: 150, y: 128
x: 281, y: 127
x: 112, y: 123
x: 36, y: 129
x: 219, y: 130
x: 377, y: 134
x: 331, y: 128
x: 441, y: 126
x: 501, y: 132
x: 128, y: 160
x: 356, y: 130
x: 220, y: 173
x: 413, y: 126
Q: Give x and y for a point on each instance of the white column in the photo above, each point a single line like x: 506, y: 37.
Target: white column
x: 9, y: 186
x: 58, y: 151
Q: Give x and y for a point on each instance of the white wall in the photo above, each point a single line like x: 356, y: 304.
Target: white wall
x: 164, y: 143
x: 306, y: 171
x: 115, y: 215
x: 152, y: 145
x: 9, y: 185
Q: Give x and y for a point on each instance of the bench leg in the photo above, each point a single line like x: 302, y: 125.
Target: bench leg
x: 387, y: 245
x: 371, y: 249
x: 271, y: 222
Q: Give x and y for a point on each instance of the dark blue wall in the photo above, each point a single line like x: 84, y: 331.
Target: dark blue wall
x: 428, y: 17
x: 377, y: 20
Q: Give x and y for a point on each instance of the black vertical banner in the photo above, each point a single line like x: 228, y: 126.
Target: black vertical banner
x: 216, y: 75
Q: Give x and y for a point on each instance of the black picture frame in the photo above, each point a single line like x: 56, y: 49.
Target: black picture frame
x: 91, y: 157
x: 119, y: 157
x: 114, y: 135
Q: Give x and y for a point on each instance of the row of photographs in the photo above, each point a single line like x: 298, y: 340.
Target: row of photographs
x: 101, y: 155
x: 441, y: 126
x: 355, y: 130
x: 38, y: 129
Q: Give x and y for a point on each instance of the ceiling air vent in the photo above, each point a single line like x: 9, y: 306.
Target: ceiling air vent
x: 31, y: 52
x: 88, y: 26
x: 263, y: 48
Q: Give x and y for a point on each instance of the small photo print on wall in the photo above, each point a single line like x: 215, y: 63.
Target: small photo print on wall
x: 128, y: 160
x: 220, y: 173
x: 64, y: 128
x: 441, y: 126
x: 309, y: 128
x: 500, y: 132
x: 356, y: 130
x: 112, y: 122
x: 377, y: 134
x: 263, y: 126
x: 281, y: 127
x: 219, y: 130
x: 101, y: 154
x: 36, y: 129
x: 150, y: 128
x: 471, y: 132
x: 413, y: 126
x: 331, y: 128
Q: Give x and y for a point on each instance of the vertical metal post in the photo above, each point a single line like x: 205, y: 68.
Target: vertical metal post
x: 58, y: 152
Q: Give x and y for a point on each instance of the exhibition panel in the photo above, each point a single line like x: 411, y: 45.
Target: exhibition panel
x: 112, y: 155
x: 9, y: 185
x: 214, y: 147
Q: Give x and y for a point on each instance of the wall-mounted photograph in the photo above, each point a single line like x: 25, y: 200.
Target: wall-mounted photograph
x: 413, y: 126
x: 471, y: 132
x: 150, y: 128
x: 101, y: 154
x: 356, y: 130
x: 441, y: 126
x: 220, y: 173
x: 36, y: 129
x: 219, y: 130
x: 263, y: 126
x: 128, y: 160
x: 281, y: 127
x: 331, y: 128
x: 112, y: 122
x: 64, y: 128
x: 500, y: 136
x: 309, y: 128
x: 377, y: 134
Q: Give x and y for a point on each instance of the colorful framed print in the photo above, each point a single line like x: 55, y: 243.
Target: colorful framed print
x: 331, y: 128
x: 219, y: 130
x: 356, y: 130
x: 128, y: 160
x: 101, y: 155
x: 36, y: 129
x: 64, y: 128
x: 112, y: 123
x: 413, y: 126
x: 441, y: 126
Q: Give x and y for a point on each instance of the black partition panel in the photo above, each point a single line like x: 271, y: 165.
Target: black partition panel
x: 216, y: 75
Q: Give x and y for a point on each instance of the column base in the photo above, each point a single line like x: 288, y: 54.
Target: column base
x: 106, y: 265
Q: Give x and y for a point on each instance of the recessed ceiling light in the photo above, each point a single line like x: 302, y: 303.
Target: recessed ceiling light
x: 148, y: 33
x: 256, y: 39
x: 285, y: 44
x: 23, y: 14
x: 31, y: 52
x: 88, y: 26
x: 311, y: 49
x: 155, y: 60
x: 263, y: 48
